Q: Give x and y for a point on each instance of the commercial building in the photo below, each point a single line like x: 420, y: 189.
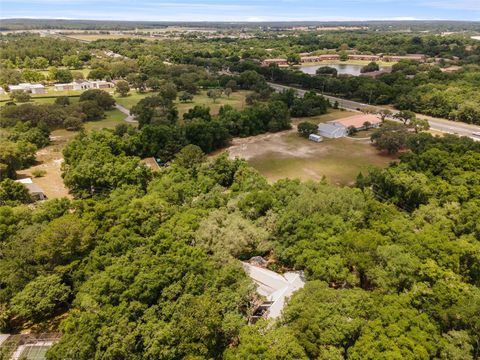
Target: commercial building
x: 320, y: 58
x: 364, y: 57
x: 332, y: 131
x: 279, y: 62
x: 414, y: 57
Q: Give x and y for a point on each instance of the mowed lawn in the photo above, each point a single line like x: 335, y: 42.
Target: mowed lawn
x: 236, y: 99
x: 287, y: 155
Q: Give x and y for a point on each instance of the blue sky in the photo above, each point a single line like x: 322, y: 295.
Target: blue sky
x: 243, y: 10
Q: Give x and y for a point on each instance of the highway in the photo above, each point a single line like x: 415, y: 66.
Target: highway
x: 437, y: 124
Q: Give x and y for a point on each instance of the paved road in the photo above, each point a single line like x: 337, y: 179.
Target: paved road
x: 442, y: 125
x: 124, y: 110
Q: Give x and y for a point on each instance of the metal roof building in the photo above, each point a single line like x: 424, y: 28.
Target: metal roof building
x: 275, y: 287
x: 332, y: 131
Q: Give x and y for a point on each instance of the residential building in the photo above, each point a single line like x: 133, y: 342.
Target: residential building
x: 101, y: 84
x: 35, y: 191
x: 80, y: 85
x: 75, y: 85
x: 27, y: 87
x: 275, y: 287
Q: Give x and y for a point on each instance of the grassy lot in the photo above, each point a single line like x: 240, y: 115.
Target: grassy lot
x: 287, y: 155
x: 237, y: 100
x: 84, y: 71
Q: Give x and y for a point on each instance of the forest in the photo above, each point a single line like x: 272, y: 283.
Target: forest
x: 144, y: 264
x: 148, y: 268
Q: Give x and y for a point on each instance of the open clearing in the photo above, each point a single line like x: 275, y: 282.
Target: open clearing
x: 50, y: 158
x: 287, y: 155
x: 236, y: 99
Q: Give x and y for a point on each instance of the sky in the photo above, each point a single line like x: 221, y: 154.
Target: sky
x: 243, y: 10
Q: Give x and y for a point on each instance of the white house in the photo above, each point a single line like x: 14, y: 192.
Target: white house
x: 101, y: 84
x: 77, y: 85
x: 275, y: 287
x: 27, y: 87
x: 332, y: 131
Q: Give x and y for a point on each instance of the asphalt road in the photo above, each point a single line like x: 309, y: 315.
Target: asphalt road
x: 124, y: 110
x: 442, y: 125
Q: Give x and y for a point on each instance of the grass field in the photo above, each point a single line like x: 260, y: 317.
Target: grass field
x: 287, y: 155
x: 237, y: 100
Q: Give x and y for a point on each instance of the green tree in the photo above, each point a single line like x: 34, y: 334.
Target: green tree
x: 122, y: 88
x: 72, y: 61
x: 190, y: 157
x: 40, y: 298
x: 419, y: 125
x: 214, y: 94
x: 12, y: 192
x: 101, y: 97
x: 186, y: 97
x: 405, y: 116
x: 306, y: 128
x: 390, y: 137
x: 168, y: 91
x: 20, y: 96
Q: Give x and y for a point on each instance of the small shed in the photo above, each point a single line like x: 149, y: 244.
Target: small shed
x: 315, y: 137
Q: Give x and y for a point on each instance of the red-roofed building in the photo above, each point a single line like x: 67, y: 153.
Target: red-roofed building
x: 319, y: 58
x: 279, y: 62
x: 359, y: 121
x: 363, y: 57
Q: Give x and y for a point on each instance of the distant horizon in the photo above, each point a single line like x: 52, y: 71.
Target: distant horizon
x: 243, y: 11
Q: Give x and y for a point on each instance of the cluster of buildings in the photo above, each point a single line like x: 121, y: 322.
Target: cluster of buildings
x: 74, y: 85
x: 84, y: 85
x: 336, y: 57
x: 342, y: 127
